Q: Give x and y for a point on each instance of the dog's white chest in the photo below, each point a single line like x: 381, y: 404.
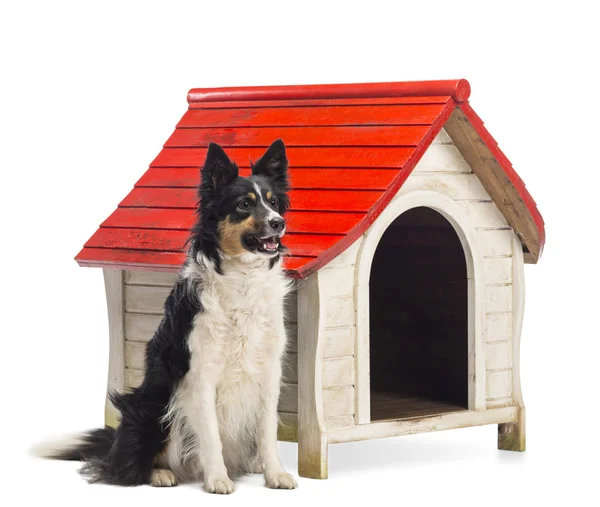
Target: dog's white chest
x: 251, y: 339
x: 235, y: 343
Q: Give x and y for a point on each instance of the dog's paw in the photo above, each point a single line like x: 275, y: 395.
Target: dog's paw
x: 280, y: 480
x: 219, y: 484
x: 162, y: 478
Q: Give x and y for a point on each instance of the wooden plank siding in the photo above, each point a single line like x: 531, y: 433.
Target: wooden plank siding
x: 144, y: 296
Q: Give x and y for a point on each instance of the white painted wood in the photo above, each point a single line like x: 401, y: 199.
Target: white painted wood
x: 499, y: 402
x: 422, y: 424
x: 346, y: 258
x: 133, y: 378
x: 442, y: 158
x: 339, y: 311
x: 312, y: 435
x: 141, y: 327
x: 338, y: 401
x: 146, y: 299
x: 113, y: 284
x: 498, y: 298
x: 463, y: 226
x: 495, y: 243
x: 455, y: 186
x: 339, y: 342
x: 338, y: 371
x: 476, y: 328
x: 499, y: 326
x: 338, y: 281
x: 499, y: 384
x: 442, y: 138
x: 517, y: 323
x: 339, y: 422
x: 498, y: 270
x: 150, y: 278
x: 483, y: 215
x: 362, y: 354
x: 289, y: 424
x: 498, y: 355
x: 135, y: 355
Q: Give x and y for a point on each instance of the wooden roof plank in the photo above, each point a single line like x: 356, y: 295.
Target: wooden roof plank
x: 319, y: 222
x: 409, y: 135
x: 144, y: 260
x: 308, y: 200
x: 298, y: 157
x: 300, y: 178
x: 174, y: 240
x: 418, y: 114
x: 130, y: 259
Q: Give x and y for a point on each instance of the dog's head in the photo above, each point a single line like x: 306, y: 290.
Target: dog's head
x: 242, y: 216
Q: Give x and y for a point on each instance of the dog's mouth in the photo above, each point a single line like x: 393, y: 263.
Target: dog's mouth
x: 268, y: 245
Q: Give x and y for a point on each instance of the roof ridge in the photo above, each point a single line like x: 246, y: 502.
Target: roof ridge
x: 458, y: 89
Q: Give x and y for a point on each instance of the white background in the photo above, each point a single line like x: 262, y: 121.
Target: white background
x: 90, y: 91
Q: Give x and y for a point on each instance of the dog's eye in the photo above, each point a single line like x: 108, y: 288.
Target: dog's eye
x: 245, y: 204
x: 274, y: 202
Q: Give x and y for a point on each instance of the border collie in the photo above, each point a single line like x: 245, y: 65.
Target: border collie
x: 207, y: 407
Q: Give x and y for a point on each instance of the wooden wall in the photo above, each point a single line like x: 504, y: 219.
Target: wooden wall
x: 336, y: 282
x: 144, y: 295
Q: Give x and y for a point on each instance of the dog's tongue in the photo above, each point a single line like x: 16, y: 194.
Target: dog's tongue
x: 269, y: 244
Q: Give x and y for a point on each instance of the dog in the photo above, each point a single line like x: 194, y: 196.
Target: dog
x: 207, y: 407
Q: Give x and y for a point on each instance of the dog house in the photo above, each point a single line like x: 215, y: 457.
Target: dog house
x: 408, y: 232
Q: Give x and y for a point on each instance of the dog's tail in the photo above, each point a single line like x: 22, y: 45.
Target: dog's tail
x: 90, y: 446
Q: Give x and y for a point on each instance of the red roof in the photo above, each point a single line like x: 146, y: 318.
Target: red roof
x: 350, y: 147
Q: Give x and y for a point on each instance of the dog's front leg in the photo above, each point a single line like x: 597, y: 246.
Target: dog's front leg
x: 275, y: 475
x: 210, y: 448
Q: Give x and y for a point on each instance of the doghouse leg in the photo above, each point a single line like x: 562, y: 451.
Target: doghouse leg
x: 511, y: 436
x: 115, y: 301
x: 312, y: 453
x: 312, y: 437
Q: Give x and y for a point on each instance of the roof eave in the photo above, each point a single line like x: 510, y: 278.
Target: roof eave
x: 498, y: 177
x: 293, y: 273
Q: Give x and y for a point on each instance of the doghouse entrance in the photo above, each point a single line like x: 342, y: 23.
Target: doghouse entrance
x: 418, y: 319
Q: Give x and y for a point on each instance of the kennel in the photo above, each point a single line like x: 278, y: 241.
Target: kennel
x: 408, y: 232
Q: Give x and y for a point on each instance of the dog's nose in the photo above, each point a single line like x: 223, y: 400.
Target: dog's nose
x: 277, y: 224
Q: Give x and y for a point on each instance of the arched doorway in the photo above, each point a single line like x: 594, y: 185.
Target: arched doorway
x: 418, y: 319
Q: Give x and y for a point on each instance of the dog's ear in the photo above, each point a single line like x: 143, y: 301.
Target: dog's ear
x: 218, y: 170
x: 273, y: 164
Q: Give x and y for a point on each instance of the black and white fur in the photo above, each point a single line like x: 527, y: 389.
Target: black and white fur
x: 207, y: 407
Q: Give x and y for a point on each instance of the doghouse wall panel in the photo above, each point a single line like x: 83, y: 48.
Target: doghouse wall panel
x: 444, y: 170
x: 336, y: 287
x: 144, y: 293
x: 144, y: 296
